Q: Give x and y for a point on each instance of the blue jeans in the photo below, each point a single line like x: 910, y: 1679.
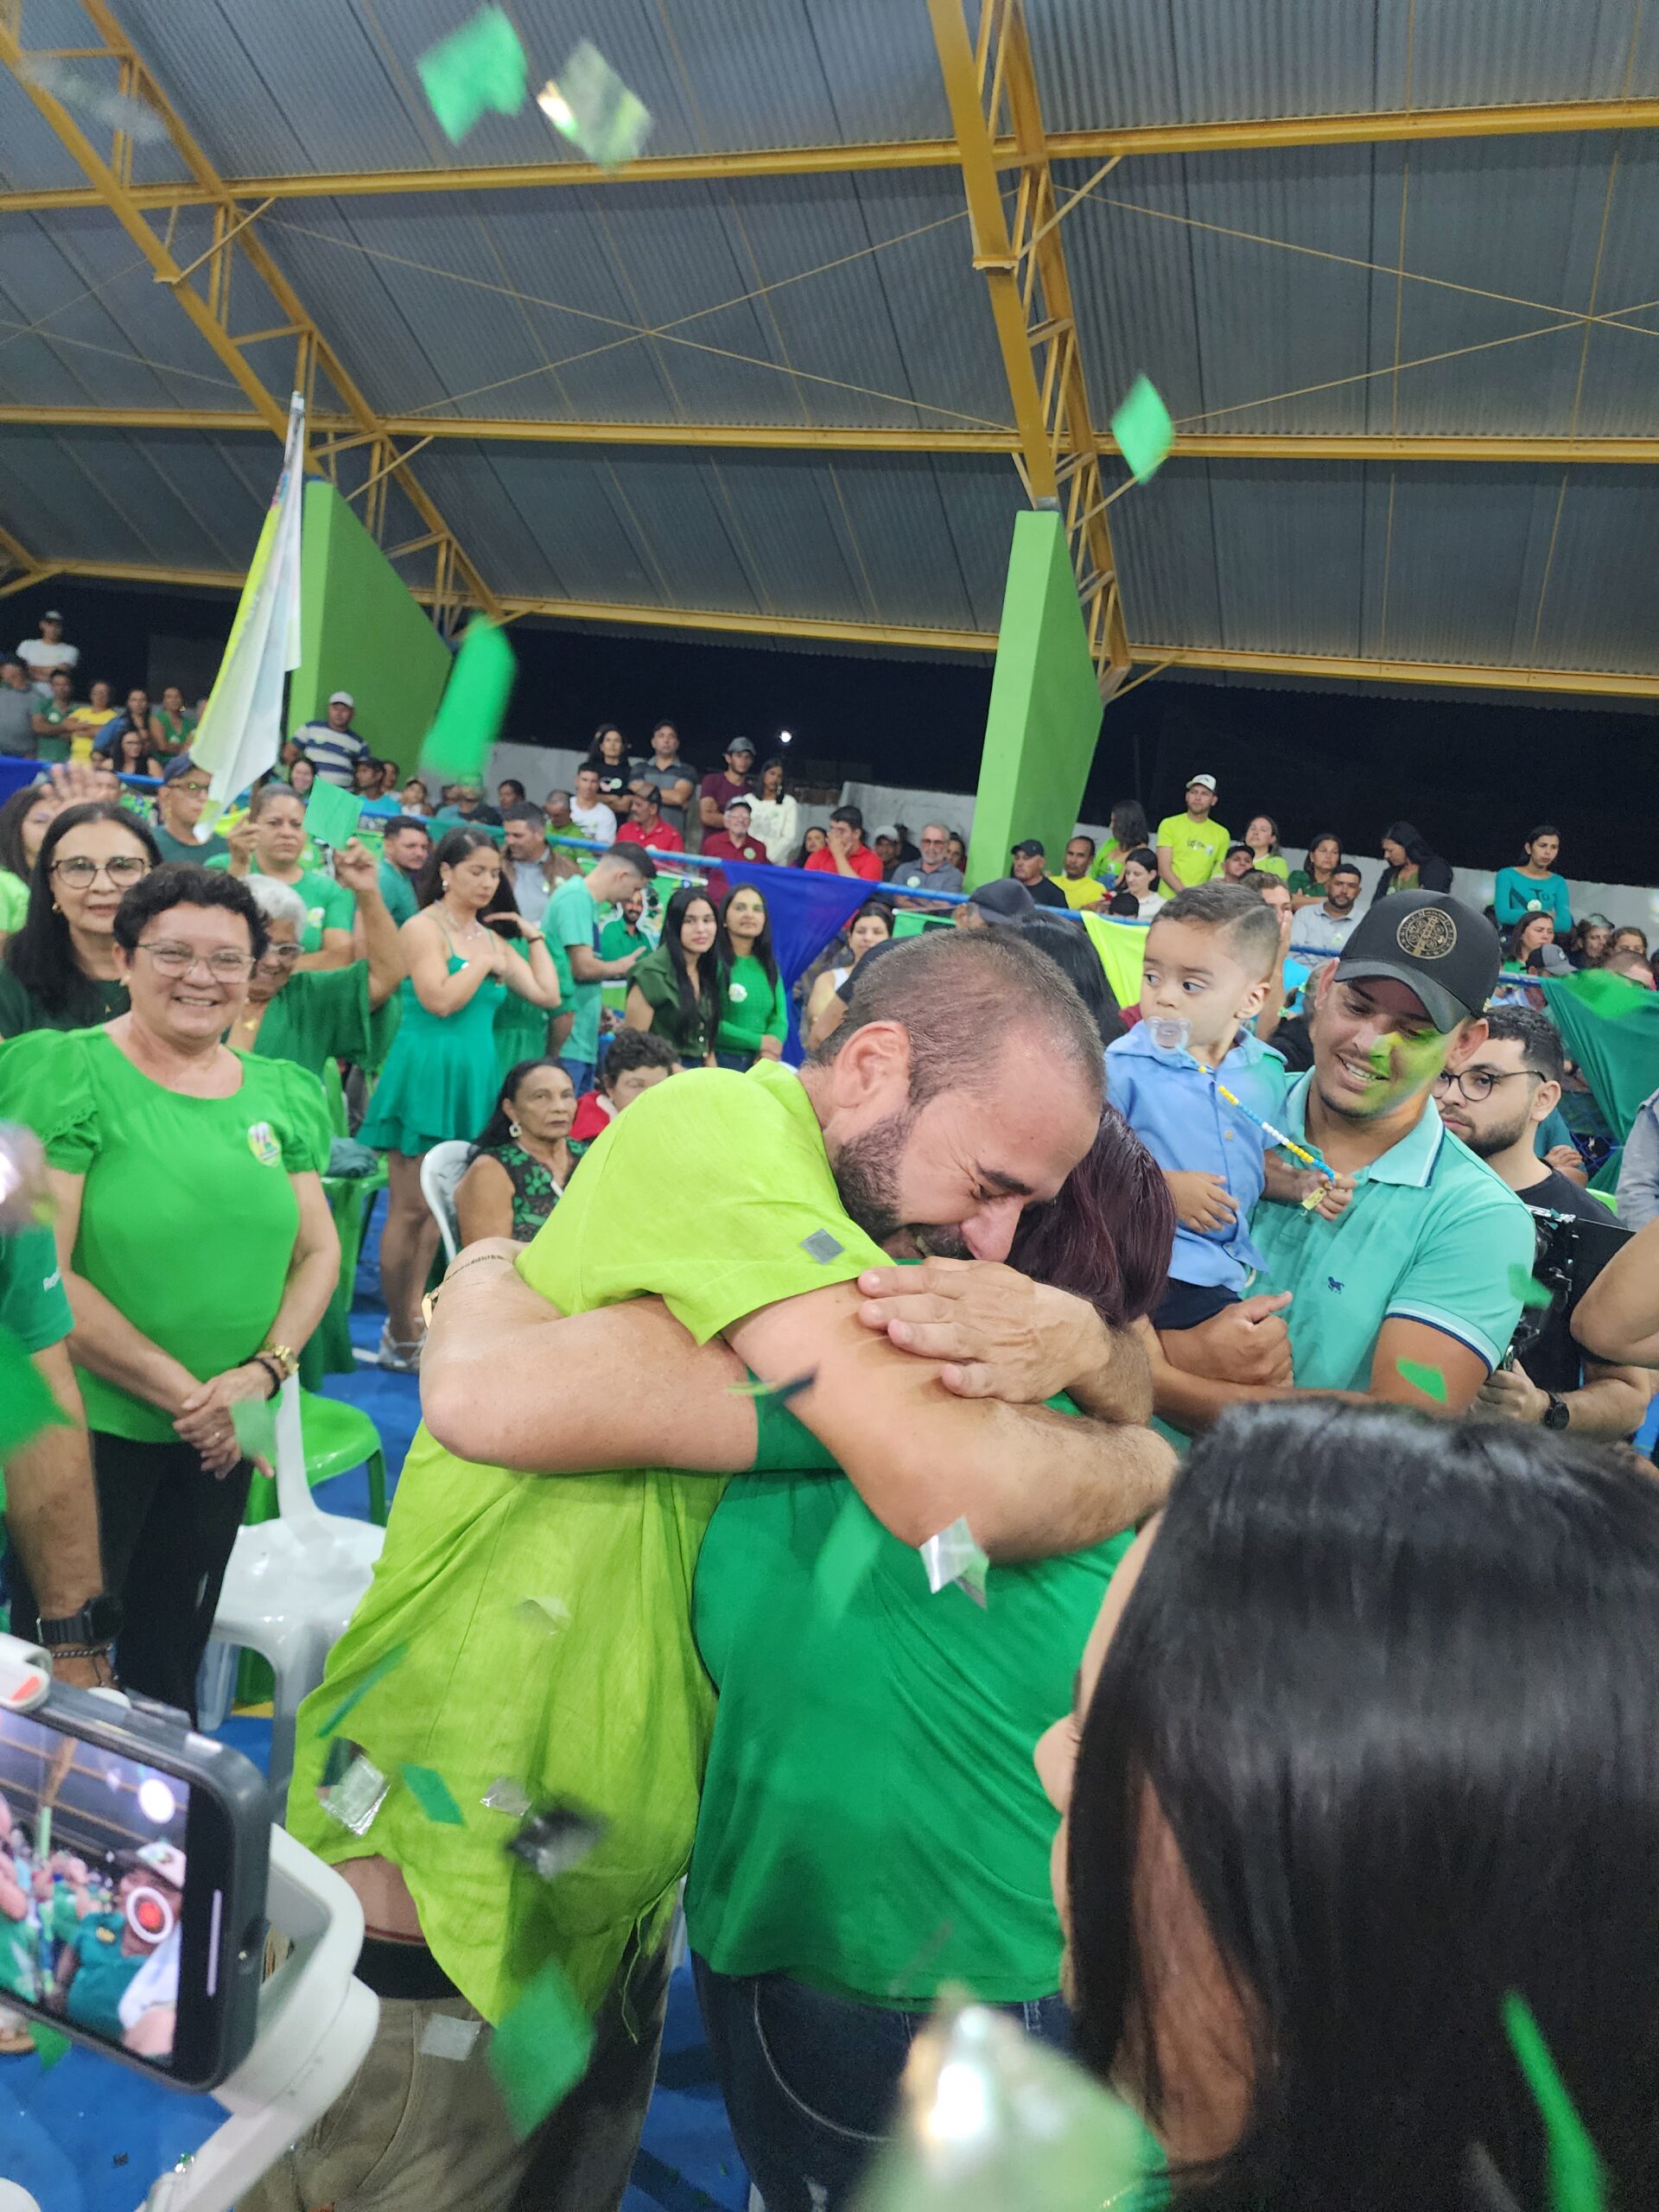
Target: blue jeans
x: 811, y: 2082
x: 581, y: 1073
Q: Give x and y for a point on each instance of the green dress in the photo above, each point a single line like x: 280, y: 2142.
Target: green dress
x: 534, y: 1192
x: 520, y: 1033
x: 441, y: 1077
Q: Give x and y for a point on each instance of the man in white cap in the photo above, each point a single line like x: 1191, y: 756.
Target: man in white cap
x: 1192, y: 846
x: 44, y: 655
x: 332, y: 746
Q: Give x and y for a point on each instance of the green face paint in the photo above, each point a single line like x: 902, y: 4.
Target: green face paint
x: 1418, y: 1059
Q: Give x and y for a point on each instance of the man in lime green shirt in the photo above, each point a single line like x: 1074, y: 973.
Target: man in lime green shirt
x: 1192, y: 846
x: 543, y: 1626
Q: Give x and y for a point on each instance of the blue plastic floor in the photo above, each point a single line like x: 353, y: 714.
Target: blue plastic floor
x: 89, y: 2135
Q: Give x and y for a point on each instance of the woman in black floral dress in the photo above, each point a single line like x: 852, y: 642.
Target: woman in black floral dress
x: 522, y: 1160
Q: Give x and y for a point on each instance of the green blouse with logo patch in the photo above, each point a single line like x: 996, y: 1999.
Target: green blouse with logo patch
x: 188, y: 1217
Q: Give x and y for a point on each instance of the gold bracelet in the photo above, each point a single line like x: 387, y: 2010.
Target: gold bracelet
x: 284, y: 1355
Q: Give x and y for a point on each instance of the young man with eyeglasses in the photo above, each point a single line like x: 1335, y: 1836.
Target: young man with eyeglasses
x: 1497, y: 1105
x: 178, y: 809
x: 1411, y: 1296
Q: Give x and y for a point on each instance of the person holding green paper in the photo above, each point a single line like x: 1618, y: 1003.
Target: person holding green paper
x: 312, y: 1015
x: 269, y: 840
x: 576, y: 1593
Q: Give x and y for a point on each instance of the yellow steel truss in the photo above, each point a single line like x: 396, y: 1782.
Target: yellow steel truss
x: 455, y: 581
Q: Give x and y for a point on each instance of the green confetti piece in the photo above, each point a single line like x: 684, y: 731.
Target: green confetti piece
x: 1143, y: 430
x: 588, y: 103
x: 432, y: 1794
x: 774, y: 1393
x: 1576, y: 2178
x: 480, y: 68
x: 50, y: 2043
x: 27, y: 1405
x: 846, y: 1556
x: 1429, y: 1380
x: 473, y: 705
x: 376, y: 1674
x: 332, y: 814
x: 1525, y: 1286
x: 540, y: 2051
x: 254, y: 1420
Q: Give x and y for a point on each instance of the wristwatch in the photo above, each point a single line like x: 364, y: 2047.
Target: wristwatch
x: 1556, y: 1414
x: 98, y: 1622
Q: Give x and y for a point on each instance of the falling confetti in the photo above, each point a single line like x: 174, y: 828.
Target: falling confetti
x: 953, y: 1556
x: 1429, y: 1380
x: 556, y: 1838
x: 433, y: 1794
x: 588, y: 103
x: 1143, y: 430
x: 507, y: 1796
x: 1525, y: 1286
x: 85, y: 96
x: 846, y: 1556
x: 775, y: 1394
x: 540, y: 2051
x: 254, y: 1420
x: 27, y: 1405
x: 332, y: 814
x: 473, y: 705
x: 50, y: 2043
x: 376, y: 1674
x: 357, y: 1797
x: 480, y: 68
x: 1576, y: 2182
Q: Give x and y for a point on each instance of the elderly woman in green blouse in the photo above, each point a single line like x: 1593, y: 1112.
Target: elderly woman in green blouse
x: 196, y: 1245
x: 312, y: 1015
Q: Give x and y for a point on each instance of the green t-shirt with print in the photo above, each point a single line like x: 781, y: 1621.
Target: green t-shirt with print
x: 1197, y: 849
x: 545, y: 1621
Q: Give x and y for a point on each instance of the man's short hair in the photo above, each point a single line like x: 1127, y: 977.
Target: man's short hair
x: 1235, y: 911
x: 851, y: 815
x: 525, y: 810
x: 1347, y: 868
x: 1082, y: 837
x: 1258, y: 879
x: 950, y: 990
x: 406, y: 821
x: 632, y: 1049
x: 552, y: 795
x: 511, y: 784
x: 1538, y: 1036
x: 633, y: 856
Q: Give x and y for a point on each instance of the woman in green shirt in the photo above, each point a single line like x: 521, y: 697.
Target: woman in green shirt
x: 196, y: 1245
x: 172, y: 721
x: 1309, y: 882
x: 672, y: 991
x: 23, y: 821
x: 753, y: 1011
x: 313, y: 1016
x: 1261, y: 836
x: 61, y: 969
x: 270, y: 841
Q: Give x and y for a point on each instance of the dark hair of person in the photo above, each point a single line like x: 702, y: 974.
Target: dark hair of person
x: 773, y: 760
x: 1578, y: 938
x: 882, y: 907
x: 851, y: 815
x: 1630, y: 929
x: 763, y: 952
x: 806, y: 850
x: 181, y: 883
x: 1392, y: 1684
x: 132, y: 740
x: 1082, y: 837
x: 1070, y: 945
x: 1250, y: 929
x: 951, y: 990
x: 1544, y: 829
x: 1345, y: 867
x: 1107, y: 1237
x: 1513, y: 947
x: 1258, y: 879
x: 266, y: 796
x: 596, y: 750
x: 635, y: 857
x: 1411, y: 841
x: 522, y: 809
x: 698, y: 1000
x: 310, y: 767
x: 1535, y: 1034
x: 631, y: 1050
x: 1146, y: 857
x: 507, y: 784
x: 40, y: 955
x: 663, y: 723
x: 1130, y: 825
x: 450, y: 851
x: 12, y: 815
x: 1325, y: 837
x: 498, y: 1130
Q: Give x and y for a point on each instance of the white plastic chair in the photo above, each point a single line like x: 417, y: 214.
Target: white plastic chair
x: 440, y: 1170
x: 291, y: 1585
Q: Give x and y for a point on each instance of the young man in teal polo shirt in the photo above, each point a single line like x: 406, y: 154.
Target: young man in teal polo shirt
x: 1411, y: 1295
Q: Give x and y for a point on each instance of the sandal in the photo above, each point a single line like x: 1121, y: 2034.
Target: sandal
x: 396, y: 1356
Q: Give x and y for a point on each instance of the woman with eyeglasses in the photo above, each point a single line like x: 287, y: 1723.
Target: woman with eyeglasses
x: 196, y: 1245
x: 313, y: 1016
x: 60, y: 969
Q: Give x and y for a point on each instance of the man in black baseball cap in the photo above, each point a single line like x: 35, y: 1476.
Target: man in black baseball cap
x: 1411, y: 1294
x: 1030, y: 868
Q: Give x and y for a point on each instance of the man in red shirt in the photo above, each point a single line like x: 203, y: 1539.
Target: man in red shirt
x: 847, y: 854
x: 733, y: 842
x: 715, y: 792
x: 645, y: 825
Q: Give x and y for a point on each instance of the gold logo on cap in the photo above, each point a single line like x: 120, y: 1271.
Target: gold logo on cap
x: 1426, y: 933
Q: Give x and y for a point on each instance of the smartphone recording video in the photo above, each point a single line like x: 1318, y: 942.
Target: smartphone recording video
x: 93, y: 1877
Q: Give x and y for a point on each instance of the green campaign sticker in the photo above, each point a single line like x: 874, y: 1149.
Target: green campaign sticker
x: 540, y: 2051
x: 1525, y: 1286
x: 1143, y: 430
x: 27, y: 1405
x: 1429, y: 1380
x: 479, y: 68
x: 332, y: 814
x: 433, y: 1794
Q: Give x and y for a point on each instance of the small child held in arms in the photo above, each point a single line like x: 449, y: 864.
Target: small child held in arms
x: 1210, y: 956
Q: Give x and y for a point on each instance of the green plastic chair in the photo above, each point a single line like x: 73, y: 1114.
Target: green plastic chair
x: 338, y: 1437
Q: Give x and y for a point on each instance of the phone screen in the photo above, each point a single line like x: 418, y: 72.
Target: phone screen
x: 93, y: 1879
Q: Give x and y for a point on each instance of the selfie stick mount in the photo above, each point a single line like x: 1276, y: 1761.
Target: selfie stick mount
x: 315, y: 2025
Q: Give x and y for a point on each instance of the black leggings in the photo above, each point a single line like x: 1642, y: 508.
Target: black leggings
x: 166, y: 1529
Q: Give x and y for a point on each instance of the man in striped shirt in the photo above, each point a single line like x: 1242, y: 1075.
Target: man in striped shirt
x: 334, y: 747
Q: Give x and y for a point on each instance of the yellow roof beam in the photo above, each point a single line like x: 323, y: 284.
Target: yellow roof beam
x: 1591, y: 682
x: 1362, y: 129
x: 844, y: 438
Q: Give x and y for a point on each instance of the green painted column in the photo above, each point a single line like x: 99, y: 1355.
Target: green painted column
x: 361, y: 631
x: 1045, y: 713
